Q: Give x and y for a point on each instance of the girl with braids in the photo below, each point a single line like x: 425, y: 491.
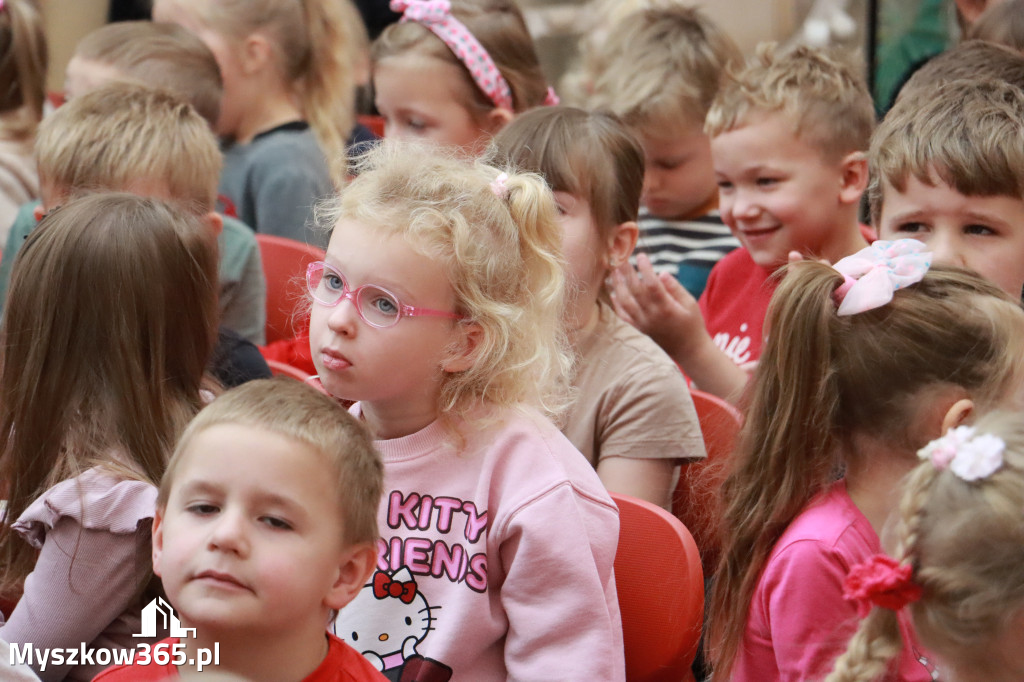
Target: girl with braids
x: 959, y: 562
x: 289, y: 71
x: 864, y: 364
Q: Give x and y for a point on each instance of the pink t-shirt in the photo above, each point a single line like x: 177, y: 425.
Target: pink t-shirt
x: 799, y: 623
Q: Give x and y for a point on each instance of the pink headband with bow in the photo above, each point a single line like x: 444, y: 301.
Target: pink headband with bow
x: 873, y: 274
x: 436, y: 15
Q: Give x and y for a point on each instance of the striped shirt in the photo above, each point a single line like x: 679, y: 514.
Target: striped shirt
x: 686, y: 248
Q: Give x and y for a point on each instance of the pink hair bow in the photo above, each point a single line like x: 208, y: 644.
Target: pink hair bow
x: 436, y: 15
x: 873, y: 274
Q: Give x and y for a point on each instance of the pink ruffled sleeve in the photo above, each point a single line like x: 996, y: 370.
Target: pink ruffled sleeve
x: 93, y: 533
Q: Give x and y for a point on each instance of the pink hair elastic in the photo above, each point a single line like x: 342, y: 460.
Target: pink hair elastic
x: 436, y: 15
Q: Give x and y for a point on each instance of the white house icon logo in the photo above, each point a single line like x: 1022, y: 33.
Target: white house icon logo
x: 158, y: 608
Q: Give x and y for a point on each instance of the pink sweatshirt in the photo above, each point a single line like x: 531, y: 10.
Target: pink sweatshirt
x: 495, y: 562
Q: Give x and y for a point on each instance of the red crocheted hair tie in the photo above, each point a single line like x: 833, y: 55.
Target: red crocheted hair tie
x: 881, y: 581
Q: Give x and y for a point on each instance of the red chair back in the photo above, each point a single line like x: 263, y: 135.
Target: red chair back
x: 694, y: 500
x: 661, y: 592
x: 374, y: 123
x: 283, y: 369
x: 284, y: 266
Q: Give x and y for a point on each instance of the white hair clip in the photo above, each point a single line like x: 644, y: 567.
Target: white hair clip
x: 971, y: 457
x: 499, y: 187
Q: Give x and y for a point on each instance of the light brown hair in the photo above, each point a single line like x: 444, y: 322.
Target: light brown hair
x: 502, y: 255
x: 318, y: 44
x: 308, y: 417
x: 590, y: 155
x: 966, y: 133
x: 1002, y: 23
x: 110, y: 320
x: 965, y: 543
x: 659, y: 69
x: 826, y: 99
x: 159, y: 55
x: 501, y: 30
x: 586, y: 154
x: 823, y: 379
x: 970, y: 60
x: 122, y: 135
x: 23, y: 63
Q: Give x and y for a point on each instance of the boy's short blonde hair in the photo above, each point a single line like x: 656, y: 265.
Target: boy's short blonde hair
x: 311, y: 419
x: 161, y: 56
x: 123, y: 135
x: 825, y: 97
x: 967, y: 133
x: 660, y: 68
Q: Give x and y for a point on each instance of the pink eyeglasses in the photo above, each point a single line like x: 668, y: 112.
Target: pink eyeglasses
x: 377, y: 306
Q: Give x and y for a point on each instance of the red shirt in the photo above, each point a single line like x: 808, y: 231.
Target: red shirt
x: 342, y: 664
x: 734, y: 304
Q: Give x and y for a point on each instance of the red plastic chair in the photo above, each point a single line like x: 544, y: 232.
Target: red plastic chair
x: 661, y: 592
x: 283, y: 369
x: 284, y: 266
x: 694, y: 499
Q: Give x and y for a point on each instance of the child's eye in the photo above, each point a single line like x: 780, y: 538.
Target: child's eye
x: 766, y: 182
x: 385, y: 305
x: 982, y: 230
x: 561, y: 209
x: 910, y: 228
x: 416, y: 124
x: 202, y: 509
x: 333, y: 281
x: 724, y: 185
x: 276, y: 523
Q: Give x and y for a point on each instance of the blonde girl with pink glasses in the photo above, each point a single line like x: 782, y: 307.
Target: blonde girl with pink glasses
x: 438, y: 309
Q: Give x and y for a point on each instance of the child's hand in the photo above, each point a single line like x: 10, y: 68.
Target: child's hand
x: 659, y: 306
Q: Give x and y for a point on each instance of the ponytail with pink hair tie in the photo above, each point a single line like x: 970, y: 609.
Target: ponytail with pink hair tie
x: 436, y: 15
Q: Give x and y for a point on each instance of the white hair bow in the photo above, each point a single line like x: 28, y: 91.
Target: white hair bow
x: 873, y: 274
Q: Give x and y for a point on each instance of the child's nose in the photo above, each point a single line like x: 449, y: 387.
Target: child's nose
x: 946, y: 250
x: 344, y: 318
x: 229, y: 533
x: 744, y: 205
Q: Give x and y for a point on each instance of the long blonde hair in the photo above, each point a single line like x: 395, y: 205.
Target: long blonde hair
x: 110, y: 320
x: 23, y: 64
x: 502, y: 255
x: 965, y: 543
x: 319, y: 44
x: 823, y: 379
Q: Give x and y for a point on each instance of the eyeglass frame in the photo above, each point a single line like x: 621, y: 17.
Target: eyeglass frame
x: 404, y: 310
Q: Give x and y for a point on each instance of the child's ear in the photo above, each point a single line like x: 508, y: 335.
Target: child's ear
x: 215, y: 221
x: 621, y: 242
x: 498, y: 118
x: 854, y: 177
x: 463, y: 353
x: 353, y: 572
x: 158, y: 540
x: 255, y: 52
x: 957, y: 414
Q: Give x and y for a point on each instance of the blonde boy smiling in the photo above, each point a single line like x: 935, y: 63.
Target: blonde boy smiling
x: 787, y: 140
